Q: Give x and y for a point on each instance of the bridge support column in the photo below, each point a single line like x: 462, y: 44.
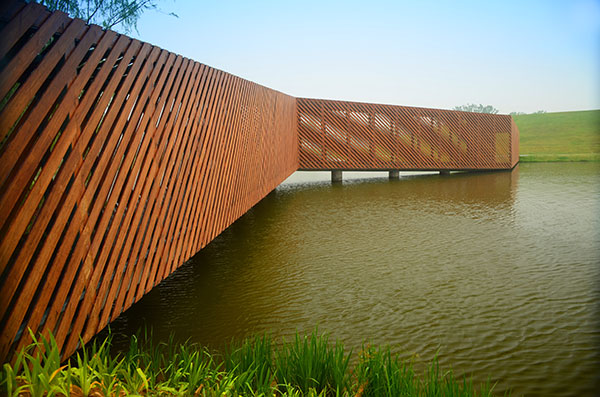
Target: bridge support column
x: 394, y: 174
x: 444, y: 172
x: 336, y: 176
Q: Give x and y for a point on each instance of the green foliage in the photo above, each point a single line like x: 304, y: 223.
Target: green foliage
x: 313, y: 363
x: 36, y: 371
x: 309, y: 365
x: 471, y: 107
x: 379, y: 373
x: 106, y: 13
x: 253, y: 356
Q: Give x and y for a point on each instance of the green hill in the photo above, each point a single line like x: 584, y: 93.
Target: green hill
x: 563, y: 136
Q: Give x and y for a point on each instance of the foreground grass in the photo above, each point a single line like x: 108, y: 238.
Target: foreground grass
x: 563, y: 136
x: 306, y: 366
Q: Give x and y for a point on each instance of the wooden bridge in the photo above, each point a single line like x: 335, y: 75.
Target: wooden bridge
x: 119, y: 161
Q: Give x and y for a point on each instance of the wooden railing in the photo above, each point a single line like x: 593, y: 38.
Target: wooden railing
x: 365, y: 136
x: 120, y: 160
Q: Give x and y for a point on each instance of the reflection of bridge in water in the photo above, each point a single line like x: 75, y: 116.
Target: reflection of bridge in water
x: 120, y: 160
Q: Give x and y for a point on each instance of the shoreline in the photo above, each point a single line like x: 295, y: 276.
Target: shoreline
x: 559, y: 158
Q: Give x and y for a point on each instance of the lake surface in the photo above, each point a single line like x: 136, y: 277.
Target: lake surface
x: 498, y: 272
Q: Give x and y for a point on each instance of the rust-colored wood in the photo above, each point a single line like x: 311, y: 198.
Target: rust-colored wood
x: 17, y: 65
x: 156, y: 221
x: 107, y: 158
x: 115, y: 163
x: 49, y: 244
x: 122, y: 218
x: 355, y: 136
x: 26, y: 169
x: 74, y: 166
x: 139, y: 250
x: 145, y: 184
x: 19, y: 18
x: 119, y: 161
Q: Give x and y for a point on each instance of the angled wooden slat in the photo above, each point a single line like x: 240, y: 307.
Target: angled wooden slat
x: 108, y: 179
x: 188, y: 104
x: 44, y: 178
x: 176, y: 243
x: 70, y: 135
x: 15, y: 68
x: 151, y: 192
x: 130, y: 279
x: 172, y: 156
x: 36, y: 154
x: 123, y: 189
x: 14, y: 109
x: 155, y: 204
x: 20, y: 18
x: 45, y: 215
x: 73, y: 199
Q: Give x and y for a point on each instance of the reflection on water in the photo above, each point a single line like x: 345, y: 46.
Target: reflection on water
x: 499, y: 272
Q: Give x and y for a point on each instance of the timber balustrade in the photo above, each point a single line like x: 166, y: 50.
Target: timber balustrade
x: 119, y: 161
x: 365, y: 136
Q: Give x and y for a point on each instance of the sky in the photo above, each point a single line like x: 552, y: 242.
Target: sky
x: 521, y: 56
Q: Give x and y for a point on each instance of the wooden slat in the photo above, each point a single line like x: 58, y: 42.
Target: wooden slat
x: 129, y: 279
x: 150, y: 194
x: 20, y: 18
x: 109, y: 179
x: 47, y: 176
x: 35, y: 154
x: 73, y: 168
x: 61, y: 181
x: 189, y: 97
x: 15, y: 68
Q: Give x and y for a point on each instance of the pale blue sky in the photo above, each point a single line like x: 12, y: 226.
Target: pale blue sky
x: 515, y: 55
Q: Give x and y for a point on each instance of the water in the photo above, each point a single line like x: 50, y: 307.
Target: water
x: 498, y: 272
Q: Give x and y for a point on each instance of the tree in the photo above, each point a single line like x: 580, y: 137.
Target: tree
x: 471, y: 107
x: 521, y: 113
x: 106, y: 13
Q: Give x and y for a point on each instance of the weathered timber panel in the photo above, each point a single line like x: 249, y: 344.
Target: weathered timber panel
x: 361, y: 136
x: 118, y: 162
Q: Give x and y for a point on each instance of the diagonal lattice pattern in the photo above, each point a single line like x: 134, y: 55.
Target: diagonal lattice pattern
x: 359, y: 136
x: 119, y: 161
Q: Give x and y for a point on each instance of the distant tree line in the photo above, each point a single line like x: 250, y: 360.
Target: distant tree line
x: 471, y: 107
x: 520, y: 113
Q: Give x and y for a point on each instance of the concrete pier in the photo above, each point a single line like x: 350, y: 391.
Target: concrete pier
x: 394, y: 174
x: 336, y: 176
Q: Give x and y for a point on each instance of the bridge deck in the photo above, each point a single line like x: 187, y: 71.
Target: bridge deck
x: 120, y: 160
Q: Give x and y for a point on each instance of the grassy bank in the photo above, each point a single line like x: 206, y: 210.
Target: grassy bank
x: 563, y: 136
x: 306, y: 366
